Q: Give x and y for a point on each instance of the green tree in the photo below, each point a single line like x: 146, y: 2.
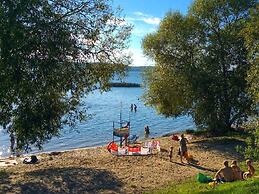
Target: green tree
x: 251, y: 35
x: 201, y: 64
x: 52, y: 52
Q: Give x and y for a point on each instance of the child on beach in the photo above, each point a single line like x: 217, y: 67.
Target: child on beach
x: 251, y: 170
x: 236, y: 170
x: 183, y: 147
x: 171, y: 153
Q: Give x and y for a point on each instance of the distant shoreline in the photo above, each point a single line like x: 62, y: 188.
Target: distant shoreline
x: 124, y: 84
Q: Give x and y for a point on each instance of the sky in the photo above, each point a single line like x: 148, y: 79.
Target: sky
x: 145, y: 16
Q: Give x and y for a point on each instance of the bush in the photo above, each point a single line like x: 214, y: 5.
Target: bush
x: 252, y: 141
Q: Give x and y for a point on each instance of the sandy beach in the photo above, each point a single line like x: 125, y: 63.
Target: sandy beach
x: 95, y: 170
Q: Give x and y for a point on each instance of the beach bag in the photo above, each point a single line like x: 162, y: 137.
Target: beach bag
x: 32, y: 160
x: 203, y: 178
x: 175, y: 138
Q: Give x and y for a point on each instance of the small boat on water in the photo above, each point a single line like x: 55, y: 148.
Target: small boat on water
x: 127, y: 144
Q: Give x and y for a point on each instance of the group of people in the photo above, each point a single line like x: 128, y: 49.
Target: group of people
x: 225, y: 174
x: 233, y: 172
x: 133, y: 107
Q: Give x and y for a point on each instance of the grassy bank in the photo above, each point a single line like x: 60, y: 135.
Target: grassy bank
x: 194, y: 187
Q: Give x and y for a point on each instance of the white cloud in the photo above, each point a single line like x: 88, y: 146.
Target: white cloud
x: 143, y: 25
x: 138, y: 13
x: 138, y: 58
x: 148, y: 19
x: 154, y: 21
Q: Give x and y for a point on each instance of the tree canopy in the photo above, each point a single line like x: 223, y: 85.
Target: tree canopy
x: 251, y: 35
x: 201, y: 64
x: 52, y: 52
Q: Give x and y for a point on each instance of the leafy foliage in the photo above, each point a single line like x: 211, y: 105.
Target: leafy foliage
x: 251, y: 35
x: 52, y: 52
x: 201, y: 64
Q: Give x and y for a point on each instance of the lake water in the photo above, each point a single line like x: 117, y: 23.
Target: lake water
x: 104, y: 109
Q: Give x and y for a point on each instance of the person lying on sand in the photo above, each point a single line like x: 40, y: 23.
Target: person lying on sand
x: 225, y: 174
x: 251, y: 170
x: 236, y: 170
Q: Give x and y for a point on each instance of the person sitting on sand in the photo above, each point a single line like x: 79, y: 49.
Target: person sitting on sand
x: 225, y: 174
x: 251, y: 170
x: 236, y: 170
x: 183, y: 147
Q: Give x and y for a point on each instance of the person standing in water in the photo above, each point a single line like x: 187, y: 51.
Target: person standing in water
x: 135, y: 107
x: 147, y: 131
x: 131, y: 107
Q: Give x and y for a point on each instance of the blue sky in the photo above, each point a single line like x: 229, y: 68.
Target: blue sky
x: 145, y: 15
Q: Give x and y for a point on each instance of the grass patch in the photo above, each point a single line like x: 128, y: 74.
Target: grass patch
x: 194, y: 187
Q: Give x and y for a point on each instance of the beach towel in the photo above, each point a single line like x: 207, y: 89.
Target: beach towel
x: 203, y: 178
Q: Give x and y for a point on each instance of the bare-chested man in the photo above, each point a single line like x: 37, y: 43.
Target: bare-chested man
x: 225, y: 174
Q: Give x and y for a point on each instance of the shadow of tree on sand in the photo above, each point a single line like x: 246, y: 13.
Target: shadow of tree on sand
x: 202, y: 168
x: 68, y: 180
x: 4, y: 181
x: 226, y: 145
x: 196, y: 166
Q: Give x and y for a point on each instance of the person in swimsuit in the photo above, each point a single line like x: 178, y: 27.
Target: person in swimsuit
x: 183, y: 147
x: 236, y: 170
x: 251, y: 170
x: 225, y: 174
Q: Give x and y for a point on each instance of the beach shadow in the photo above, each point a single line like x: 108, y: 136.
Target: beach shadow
x: 201, y: 167
x: 3, y: 176
x: 162, y: 150
x: 68, y: 180
x: 178, y: 163
x: 224, y: 145
x: 4, y: 181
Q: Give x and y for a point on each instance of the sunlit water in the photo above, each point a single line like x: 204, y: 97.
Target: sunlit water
x: 104, y: 109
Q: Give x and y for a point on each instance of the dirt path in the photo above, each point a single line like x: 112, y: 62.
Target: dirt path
x: 97, y: 171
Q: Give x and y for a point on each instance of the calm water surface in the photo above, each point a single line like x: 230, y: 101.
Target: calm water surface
x: 104, y: 109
